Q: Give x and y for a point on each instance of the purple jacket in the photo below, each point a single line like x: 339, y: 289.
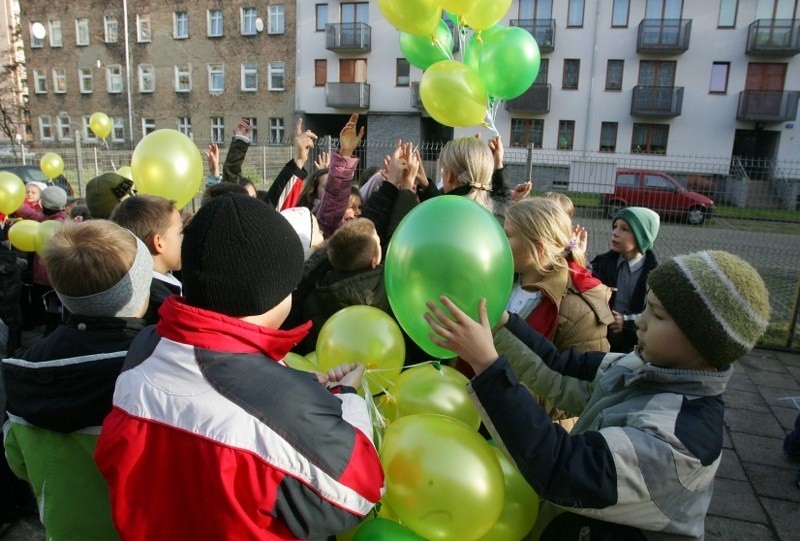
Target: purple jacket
x: 336, y: 198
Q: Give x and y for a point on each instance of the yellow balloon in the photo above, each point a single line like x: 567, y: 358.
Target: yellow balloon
x: 168, y: 163
x: 125, y: 172
x: 486, y: 13
x: 12, y: 192
x: 413, y: 16
x: 44, y: 232
x: 458, y: 7
x: 299, y: 362
x: 52, y: 165
x: 453, y: 94
x: 23, y: 235
x: 100, y: 125
x: 312, y: 357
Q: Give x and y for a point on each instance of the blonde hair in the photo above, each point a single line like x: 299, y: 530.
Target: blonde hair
x: 84, y: 258
x: 352, y: 246
x: 563, y: 200
x: 539, y: 219
x: 471, y: 163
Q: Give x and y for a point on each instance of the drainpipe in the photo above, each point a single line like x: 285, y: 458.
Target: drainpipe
x: 128, y: 69
x: 592, y: 70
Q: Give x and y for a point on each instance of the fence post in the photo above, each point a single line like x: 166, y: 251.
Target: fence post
x: 264, y: 180
x: 79, y: 162
x: 529, y: 164
x: 96, y: 166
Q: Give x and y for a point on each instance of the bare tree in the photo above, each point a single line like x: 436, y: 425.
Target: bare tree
x: 14, y: 110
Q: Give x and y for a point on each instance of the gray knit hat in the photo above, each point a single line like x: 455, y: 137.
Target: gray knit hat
x: 644, y: 225
x: 717, y: 300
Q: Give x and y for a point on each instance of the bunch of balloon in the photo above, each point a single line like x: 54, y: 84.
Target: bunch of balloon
x: 12, y: 192
x: 100, y: 125
x: 52, y: 165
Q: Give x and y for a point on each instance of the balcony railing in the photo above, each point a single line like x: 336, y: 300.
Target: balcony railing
x: 768, y: 105
x: 543, y: 30
x: 667, y: 36
x: 774, y: 37
x: 657, y: 101
x: 347, y: 95
x: 348, y: 37
x: 416, y: 100
x: 535, y: 100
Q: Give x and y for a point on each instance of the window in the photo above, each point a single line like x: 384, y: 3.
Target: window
x: 628, y: 180
x: 82, y: 32
x: 185, y: 125
x: 276, y: 76
x: 253, y: 122
x: 249, y: 17
x: 183, y: 78
x: 619, y: 13
x: 575, y: 13
x: 148, y: 126
x: 526, y: 132
x: 143, y: 34
x: 275, y: 24
x: 719, y: 77
x: 353, y: 70
x: 566, y: 134
x: 217, y: 129
x: 36, y: 43
x: 650, y: 138
x: 216, y: 78
x: 572, y: 70
x: 45, y: 128
x: 727, y: 13
x: 214, y: 23
x: 541, y: 77
x: 320, y: 72
x: 657, y: 182
x: 114, y: 79
x: 180, y: 27
x: 85, y: 77
x: 59, y: 80
x: 56, y: 39
x: 111, y: 29
x: 402, y: 73
x: 249, y: 76
x: 64, y: 129
x: 276, y: 130
x: 117, y: 129
x: 614, y: 74
x: 88, y: 134
x: 322, y: 17
x: 608, y: 136
x: 39, y: 81
x: 147, y: 78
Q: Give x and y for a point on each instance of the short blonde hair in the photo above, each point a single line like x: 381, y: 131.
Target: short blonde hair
x: 352, y: 246
x: 565, y: 202
x: 471, y: 163
x: 539, y: 219
x: 84, y: 258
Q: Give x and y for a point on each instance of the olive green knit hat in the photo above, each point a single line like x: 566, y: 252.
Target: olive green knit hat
x: 717, y: 299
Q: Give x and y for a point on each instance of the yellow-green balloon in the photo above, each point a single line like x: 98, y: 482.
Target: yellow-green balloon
x: 412, y: 16
x: 442, y: 478
x: 458, y: 7
x: 453, y: 94
x: 23, y: 235
x: 486, y: 13
x: 100, y: 125
x: 44, y: 232
x: 300, y: 363
x: 52, y: 165
x: 12, y: 192
x: 167, y: 163
x: 382, y: 529
x: 126, y: 172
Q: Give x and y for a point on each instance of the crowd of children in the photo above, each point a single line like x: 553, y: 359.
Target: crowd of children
x: 157, y: 406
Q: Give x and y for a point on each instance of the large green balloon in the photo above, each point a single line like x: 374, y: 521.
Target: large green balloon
x: 474, y: 46
x: 423, y: 51
x: 382, y: 529
x: 449, y: 246
x: 509, y: 62
x: 413, y: 16
x: 442, y: 478
x: 453, y: 94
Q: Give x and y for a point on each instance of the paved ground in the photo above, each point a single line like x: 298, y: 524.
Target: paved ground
x: 754, y: 494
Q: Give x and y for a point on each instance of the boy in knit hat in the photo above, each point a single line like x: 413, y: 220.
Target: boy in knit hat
x: 211, y: 437
x: 640, y: 462
x: 625, y: 268
x: 59, y: 391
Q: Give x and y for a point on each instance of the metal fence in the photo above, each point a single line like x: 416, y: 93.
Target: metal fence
x: 756, y: 213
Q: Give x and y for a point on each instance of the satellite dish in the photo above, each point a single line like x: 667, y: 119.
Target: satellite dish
x: 259, y: 24
x: 38, y: 31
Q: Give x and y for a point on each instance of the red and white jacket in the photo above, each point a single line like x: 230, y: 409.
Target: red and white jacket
x: 210, y: 438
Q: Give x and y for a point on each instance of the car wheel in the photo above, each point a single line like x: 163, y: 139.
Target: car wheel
x: 696, y: 215
x: 613, y: 207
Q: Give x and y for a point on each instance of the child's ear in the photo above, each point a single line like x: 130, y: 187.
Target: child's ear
x: 157, y: 245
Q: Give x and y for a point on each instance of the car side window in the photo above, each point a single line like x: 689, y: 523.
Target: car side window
x: 658, y: 182
x: 628, y: 180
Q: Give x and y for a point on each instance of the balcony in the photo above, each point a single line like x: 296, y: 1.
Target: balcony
x: 347, y: 95
x: 416, y: 100
x: 348, y: 37
x: 664, y: 36
x: 768, y: 105
x: 543, y: 30
x: 535, y: 100
x: 773, y: 37
x: 657, y: 101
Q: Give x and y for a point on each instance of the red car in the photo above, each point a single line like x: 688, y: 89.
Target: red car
x: 657, y: 191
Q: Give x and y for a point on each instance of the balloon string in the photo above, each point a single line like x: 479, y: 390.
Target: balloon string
x: 491, y: 112
x: 444, y: 50
x: 110, y: 158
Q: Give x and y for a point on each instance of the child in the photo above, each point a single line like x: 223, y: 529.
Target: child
x: 641, y: 460
x: 210, y: 436
x: 306, y: 226
x: 33, y: 194
x: 625, y: 268
x: 59, y: 391
x: 563, y: 201
x: 157, y: 223
x: 104, y: 192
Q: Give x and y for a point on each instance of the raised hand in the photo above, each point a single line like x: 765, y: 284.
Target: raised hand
x: 322, y: 161
x: 581, y: 237
x: 422, y: 179
x: 212, y: 157
x: 409, y: 174
x: 498, y: 152
x: 349, y: 137
x: 304, y: 141
x: 244, y: 129
x: 521, y: 191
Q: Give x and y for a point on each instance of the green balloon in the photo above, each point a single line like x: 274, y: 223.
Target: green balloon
x: 382, y: 529
x: 424, y: 51
x: 449, y: 246
x: 509, y: 62
x: 474, y: 46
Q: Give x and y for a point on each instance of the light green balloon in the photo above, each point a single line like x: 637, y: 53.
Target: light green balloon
x: 509, y: 62
x: 424, y: 51
x: 453, y: 94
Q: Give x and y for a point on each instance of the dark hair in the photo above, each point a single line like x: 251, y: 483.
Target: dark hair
x: 366, y: 175
x: 244, y: 181
x: 145, y: 216
x: 221, y: 188
x: 309, y: 192
x: 80, y: 210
